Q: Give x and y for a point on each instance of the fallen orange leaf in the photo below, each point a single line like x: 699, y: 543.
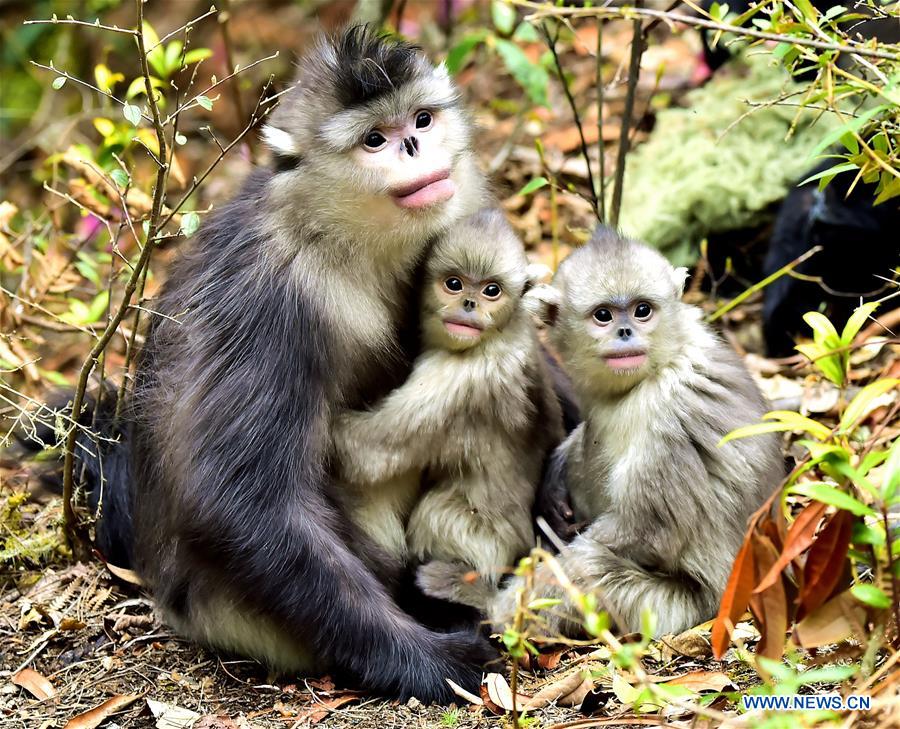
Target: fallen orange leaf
x: 34, y: 683
x: 96, y: 716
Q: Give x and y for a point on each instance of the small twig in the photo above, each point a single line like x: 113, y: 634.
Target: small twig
x: 79, y: 81
x: 600, y: 144
x: 71, y: 21
x: 551, y: 44
x: 634, y: 70
x: 224, y: 24
x: 627, y: 12
x: 744, y: 295
x: 221, y: 81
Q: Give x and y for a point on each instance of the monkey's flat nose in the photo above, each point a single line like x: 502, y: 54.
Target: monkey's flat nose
x: 468, y: 304
x: 411, y: 145
x: 624, y: 332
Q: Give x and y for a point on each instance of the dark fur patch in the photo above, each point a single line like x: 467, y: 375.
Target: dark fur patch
x: 372, y: 65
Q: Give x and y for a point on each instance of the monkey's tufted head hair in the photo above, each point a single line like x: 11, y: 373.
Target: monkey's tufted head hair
x: 352, y: 82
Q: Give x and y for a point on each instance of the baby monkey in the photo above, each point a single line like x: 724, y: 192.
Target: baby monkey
x: 658, y: 389
x: 473, y: 423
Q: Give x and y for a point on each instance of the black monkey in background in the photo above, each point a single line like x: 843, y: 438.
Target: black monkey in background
x: 859, y: 239
x: 860, y: 242
x: 293, y: 303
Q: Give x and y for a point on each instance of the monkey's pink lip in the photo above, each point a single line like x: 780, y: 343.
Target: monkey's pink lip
x: 626, y: 361
x: 465, y: 330
x: 426, y: 191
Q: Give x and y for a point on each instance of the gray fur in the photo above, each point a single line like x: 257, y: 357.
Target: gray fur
x: 668, y: 507
x: 476, y: 423
x: 292, y: 305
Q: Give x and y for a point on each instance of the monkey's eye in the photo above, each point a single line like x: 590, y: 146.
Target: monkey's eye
x: 424, y: 120
x: 643, y: 311
x: 603, y: 315
x: 453, y: 285
x: 374, y: 140
x: 492, y: 291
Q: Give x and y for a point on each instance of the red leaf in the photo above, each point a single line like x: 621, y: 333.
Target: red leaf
x: 799, y: 538
x: 735, y: 598
x: 826, y: 560
x: 769, y: 606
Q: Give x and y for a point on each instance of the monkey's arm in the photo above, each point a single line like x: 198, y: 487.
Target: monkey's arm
x: 400, y: 434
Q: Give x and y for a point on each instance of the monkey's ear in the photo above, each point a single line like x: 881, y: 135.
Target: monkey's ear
x: 679, y: 278
x: 542, y: 302
x: 279, y: 141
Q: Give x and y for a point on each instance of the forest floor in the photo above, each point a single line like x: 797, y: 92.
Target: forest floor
x: 81, y: 648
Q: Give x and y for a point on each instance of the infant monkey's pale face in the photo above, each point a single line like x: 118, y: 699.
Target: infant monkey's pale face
x: 622, y: 331
x: 460, y: 311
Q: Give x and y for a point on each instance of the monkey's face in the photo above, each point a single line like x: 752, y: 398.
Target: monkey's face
x: 460, y: 312
x: 619, y: 316
x: 392, y: 159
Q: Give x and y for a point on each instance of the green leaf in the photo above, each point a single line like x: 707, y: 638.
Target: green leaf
x: 809, y: 12
x: 536, y: 184
x: 833, y: 12
x: 532, y: 77
x: 132, y: 113
x: 58, y: 82
x: 119, y: 176
x: 828, y: 674
x: 457, y: 56
x: 824, y: 332
x: 526, y: 33
x: 860, y: 404
x: 205, y: 102
x: 828, y: 365
x: 190, y: 222
x: 504, y: 16
x: 828, y: 494
x: 197, y: 55
x: 852, y: 125
x: 890, y: 483
x: 831, y: 172
x: 871, y: 595
x: 543, y: 603
x: 755, y: 429
x: 799, y: 422
x: 173, y: 57
x: 859, y: 317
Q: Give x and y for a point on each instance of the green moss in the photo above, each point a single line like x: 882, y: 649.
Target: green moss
x: 706, y: 169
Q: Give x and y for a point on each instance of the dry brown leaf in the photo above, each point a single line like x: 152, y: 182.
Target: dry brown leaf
x: 96, y: 716
x: 769, y: 607
x: 323, y: 707
x: 734, y: 601
x: 690, y: 643
x: 699, y: 681
x: 558, y: 690
x: 215, y: 722
x: 34, y: 683
x: 125, y: 574
x: 836, y: 620
x: 498, y: 696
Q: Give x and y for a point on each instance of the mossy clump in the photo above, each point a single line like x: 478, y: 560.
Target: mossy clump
x: 719, y: 164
